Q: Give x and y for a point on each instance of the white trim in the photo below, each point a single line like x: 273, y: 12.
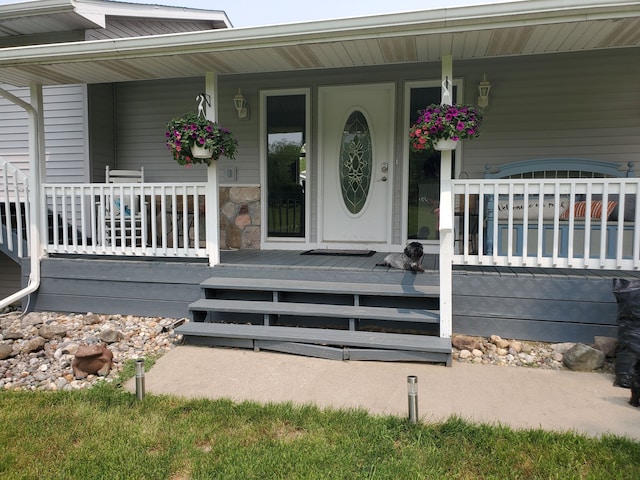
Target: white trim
x: 264, y: 239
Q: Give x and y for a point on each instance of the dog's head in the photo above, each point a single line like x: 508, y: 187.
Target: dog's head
x: 414, y: 251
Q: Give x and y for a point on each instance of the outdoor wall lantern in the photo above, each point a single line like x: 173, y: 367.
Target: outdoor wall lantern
x: 483, y: 92
x: 241, y: 105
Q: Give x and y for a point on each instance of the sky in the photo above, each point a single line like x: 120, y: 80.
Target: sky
x: 250, y: 13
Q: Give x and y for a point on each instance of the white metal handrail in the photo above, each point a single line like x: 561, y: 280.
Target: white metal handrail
x: 14, y: 209
x: 551, y: 223
x: 133, y: 219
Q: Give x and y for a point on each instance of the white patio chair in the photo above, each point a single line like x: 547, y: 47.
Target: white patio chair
x: 122, y: 209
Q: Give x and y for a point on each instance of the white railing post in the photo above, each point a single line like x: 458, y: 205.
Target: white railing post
x: 446, y: 218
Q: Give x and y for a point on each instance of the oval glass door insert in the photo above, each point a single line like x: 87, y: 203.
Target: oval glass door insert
x: 356, y: 158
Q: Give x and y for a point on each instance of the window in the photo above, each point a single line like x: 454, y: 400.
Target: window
x: 286, y: 165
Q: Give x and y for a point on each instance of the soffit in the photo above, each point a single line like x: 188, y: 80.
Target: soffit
x: 321, y: 45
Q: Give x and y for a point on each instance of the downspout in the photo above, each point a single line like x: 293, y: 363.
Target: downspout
x: 36, y: 149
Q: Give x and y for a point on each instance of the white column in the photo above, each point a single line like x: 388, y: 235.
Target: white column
x: 211, y: 202
x: 446, y: 216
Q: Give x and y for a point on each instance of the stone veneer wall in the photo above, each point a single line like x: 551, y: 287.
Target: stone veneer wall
x: 240, y: 217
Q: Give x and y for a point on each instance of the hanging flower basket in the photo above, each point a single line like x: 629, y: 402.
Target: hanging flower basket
x: 193, y: 139
x: 443, y: 122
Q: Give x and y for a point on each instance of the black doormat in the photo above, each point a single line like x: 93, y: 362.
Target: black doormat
x: 342, y: 253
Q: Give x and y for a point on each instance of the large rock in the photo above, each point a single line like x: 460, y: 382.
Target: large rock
x: 92, y: 360
x: 52, y: 331
x: 607, y: 345
x: 465, y: 342
x: 583, y: 358
x: 111, y: 336
x: 31, y: 319
x: 6, y: 351
x: 34, y: 345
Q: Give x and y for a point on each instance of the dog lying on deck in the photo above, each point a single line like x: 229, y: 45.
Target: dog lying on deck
x: 410, y: 259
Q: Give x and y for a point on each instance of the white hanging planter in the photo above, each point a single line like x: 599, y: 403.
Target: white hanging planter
x: 201, y: 152
x: 445, y: 144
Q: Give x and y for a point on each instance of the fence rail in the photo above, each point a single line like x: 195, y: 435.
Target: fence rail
x: 133, y: 219
x: 552, y: 223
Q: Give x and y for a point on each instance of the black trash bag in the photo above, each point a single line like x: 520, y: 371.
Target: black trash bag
x: 627, y: 293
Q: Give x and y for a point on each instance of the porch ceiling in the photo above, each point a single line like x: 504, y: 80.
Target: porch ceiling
x: 508, y: 29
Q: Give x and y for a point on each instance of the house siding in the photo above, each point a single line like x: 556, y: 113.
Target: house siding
x: 65, y: 132
x: 10, y: 278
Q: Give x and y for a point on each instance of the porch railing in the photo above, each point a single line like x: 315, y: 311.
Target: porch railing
x: 158, y: 219
x: 14, y: 211
x: 552, y: 223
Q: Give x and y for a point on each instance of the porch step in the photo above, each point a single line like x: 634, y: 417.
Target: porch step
x: 327, y: 314
x: 203, y: 306
x: 320, y: 342
x: 257, y: 284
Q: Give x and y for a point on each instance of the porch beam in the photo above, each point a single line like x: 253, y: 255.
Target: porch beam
x: 211, y: 198
x: 446, y: 214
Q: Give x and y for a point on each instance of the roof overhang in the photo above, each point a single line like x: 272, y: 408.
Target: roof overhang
x: 475, y: 32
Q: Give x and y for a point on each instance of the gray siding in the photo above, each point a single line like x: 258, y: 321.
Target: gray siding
x: 65, y: 132
x: 552, y: 306
x: 102, y: 136
x: 579, y: 105
x: 142, y: 111
x: 10, y: 277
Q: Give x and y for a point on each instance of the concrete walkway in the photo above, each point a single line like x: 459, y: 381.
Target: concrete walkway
x: 586, y: 403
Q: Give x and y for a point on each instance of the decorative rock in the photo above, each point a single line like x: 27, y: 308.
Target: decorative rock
x: 111, y: 336
x: 91, y: 319
x: 92, y: 359
x: 12, y: 335
x: 6, y: 351
x: 498, y: 341
x: 476, y: 352
x: 31, y: 319
x: 607, y: 345
x: 465, y: 342
x: 33, y: 345
x: 583, y: 358
x: 464, y: 354
x: 52, y: 331
x: 515, y: 346
x: 563, y: 347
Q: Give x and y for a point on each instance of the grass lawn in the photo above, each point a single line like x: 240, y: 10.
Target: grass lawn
x: 105, y: 433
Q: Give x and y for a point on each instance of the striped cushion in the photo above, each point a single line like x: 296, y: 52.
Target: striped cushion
x: 580, y: 209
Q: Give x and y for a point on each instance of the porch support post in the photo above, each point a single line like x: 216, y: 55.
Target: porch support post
x: 211, y: 199
x: 446, y: 215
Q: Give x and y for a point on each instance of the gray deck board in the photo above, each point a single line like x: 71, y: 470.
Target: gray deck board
x: 320, y: 336
x: 317, y: 310
x: 321, y: 286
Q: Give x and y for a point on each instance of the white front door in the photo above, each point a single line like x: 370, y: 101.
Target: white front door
x: 356, y: 161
